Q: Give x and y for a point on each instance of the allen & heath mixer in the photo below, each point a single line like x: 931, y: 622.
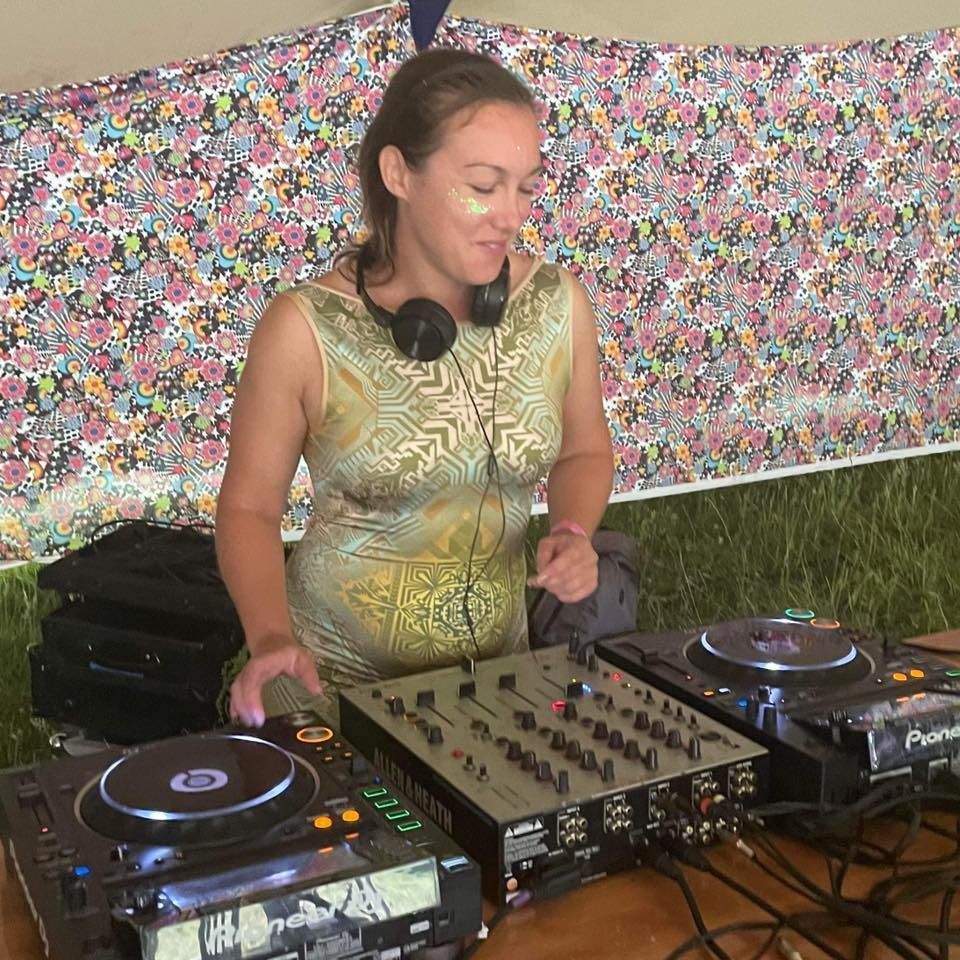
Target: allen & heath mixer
x: 550, y: 768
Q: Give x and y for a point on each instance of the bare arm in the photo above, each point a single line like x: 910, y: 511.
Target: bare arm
x: 578, y: 487
x: 267, y: 431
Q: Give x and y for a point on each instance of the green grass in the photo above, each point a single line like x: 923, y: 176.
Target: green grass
x: 22, y: 604
x: 876, y: 546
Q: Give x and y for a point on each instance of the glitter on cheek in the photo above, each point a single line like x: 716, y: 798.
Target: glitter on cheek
x: 471, y: 204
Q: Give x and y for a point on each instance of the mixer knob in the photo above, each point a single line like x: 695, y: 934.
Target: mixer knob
x: 572, y: 645
x: 527, y: 720
x: 658, y: 731
x: 469, y: 764
x: 425, y: 698
x: 606, y: 773
x: 559, y: 740
x: 468, y: 665
x: 396, y: 706
x: 593, y: 665
x: 482, y: 773
x: 666, y: 706
x: 651, y: 758
x: 589, y: 760
x: 574, y: 688
x: 673, y: 739
x: 693, y: 748
x: 434, y: 735
x: 752, y: 710
x: 600, y: 731
x: 569, y: 710
x: 514, y: 751
x: 573, y: 750
x: 631, y: 750
x: 693, y: 720
x: 467, y: 689
x: 582, y: 656
x: 543, y: 770
x: 641, y: 721
x: 679, y: 713
x: 563, y: 782
x: 610, y: 704
x: 763, y: 694
x: 649, y: 697
x: 528, y: 761
x: 507, y: 681
x: 616, y: 740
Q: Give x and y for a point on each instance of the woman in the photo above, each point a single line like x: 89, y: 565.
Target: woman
x: 424, y: 426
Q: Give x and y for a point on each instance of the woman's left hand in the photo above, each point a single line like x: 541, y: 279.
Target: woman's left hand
x: 566, y: 566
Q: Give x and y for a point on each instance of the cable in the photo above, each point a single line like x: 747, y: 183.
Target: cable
x: 695, y: 858
x: 652, y: 855
x: 493, y: 470
x: 710, y: 936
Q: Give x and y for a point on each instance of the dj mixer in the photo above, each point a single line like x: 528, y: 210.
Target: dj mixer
x: 550, y: 768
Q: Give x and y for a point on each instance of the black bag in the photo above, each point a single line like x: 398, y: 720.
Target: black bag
x: 609, y: 611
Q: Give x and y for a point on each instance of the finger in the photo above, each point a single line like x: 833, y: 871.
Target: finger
x: 248, y: 703
x: 306, y: 673
x: 546, y: 551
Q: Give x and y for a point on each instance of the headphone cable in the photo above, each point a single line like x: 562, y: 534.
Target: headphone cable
x: 493, y: 469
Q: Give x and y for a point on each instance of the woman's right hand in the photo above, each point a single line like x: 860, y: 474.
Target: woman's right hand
x: 275, y: 655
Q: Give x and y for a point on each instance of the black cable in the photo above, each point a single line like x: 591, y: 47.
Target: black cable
x: 652, y: 855
x: 493, y: 469
x: 695, y: 858
x: 710, y: 936
x: 883, y: 928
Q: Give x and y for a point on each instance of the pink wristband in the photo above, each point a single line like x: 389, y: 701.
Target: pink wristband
x: 570, y: 527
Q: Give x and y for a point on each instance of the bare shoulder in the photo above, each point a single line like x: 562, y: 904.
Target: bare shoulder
x: 282, y: 339
x: 581, y: 304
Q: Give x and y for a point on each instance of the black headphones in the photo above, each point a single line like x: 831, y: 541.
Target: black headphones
x: 423, y: 329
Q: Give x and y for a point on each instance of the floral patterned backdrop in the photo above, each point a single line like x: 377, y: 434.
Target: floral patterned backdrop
x: 771, y: 238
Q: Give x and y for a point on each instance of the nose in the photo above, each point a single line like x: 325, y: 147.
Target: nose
x: 511, y: 210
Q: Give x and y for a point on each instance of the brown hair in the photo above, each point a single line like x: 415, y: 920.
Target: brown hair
x: 421, y: 97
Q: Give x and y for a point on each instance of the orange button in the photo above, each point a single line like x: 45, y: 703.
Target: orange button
x: 900, y: 676
x: 323, y: 822
x: 708, y: 693
x: 824, y: 623
x: 917, y: 674
x: 314, y: 734
x: 350, y: 816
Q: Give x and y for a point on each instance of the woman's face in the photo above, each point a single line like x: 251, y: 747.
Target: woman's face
x: 466, y: 202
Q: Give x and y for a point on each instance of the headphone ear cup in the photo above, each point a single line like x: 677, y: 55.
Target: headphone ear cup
x: 423, y: 330
x: 490, y: 300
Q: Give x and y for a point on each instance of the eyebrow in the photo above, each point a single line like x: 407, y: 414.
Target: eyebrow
x: 536, y: 171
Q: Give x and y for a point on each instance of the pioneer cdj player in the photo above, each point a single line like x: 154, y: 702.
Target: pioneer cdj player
x: 838, y: 710
x: 231, y: 844
x: 550, y: 768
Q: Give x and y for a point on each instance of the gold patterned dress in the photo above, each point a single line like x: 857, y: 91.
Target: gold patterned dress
x: 399, y: 468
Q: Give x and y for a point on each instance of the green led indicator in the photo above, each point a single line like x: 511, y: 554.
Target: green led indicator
x: 386, y: 802
x: 409, y: 825
x: 374, y: 792
x: 797, y: 613
x: 398, y: 814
